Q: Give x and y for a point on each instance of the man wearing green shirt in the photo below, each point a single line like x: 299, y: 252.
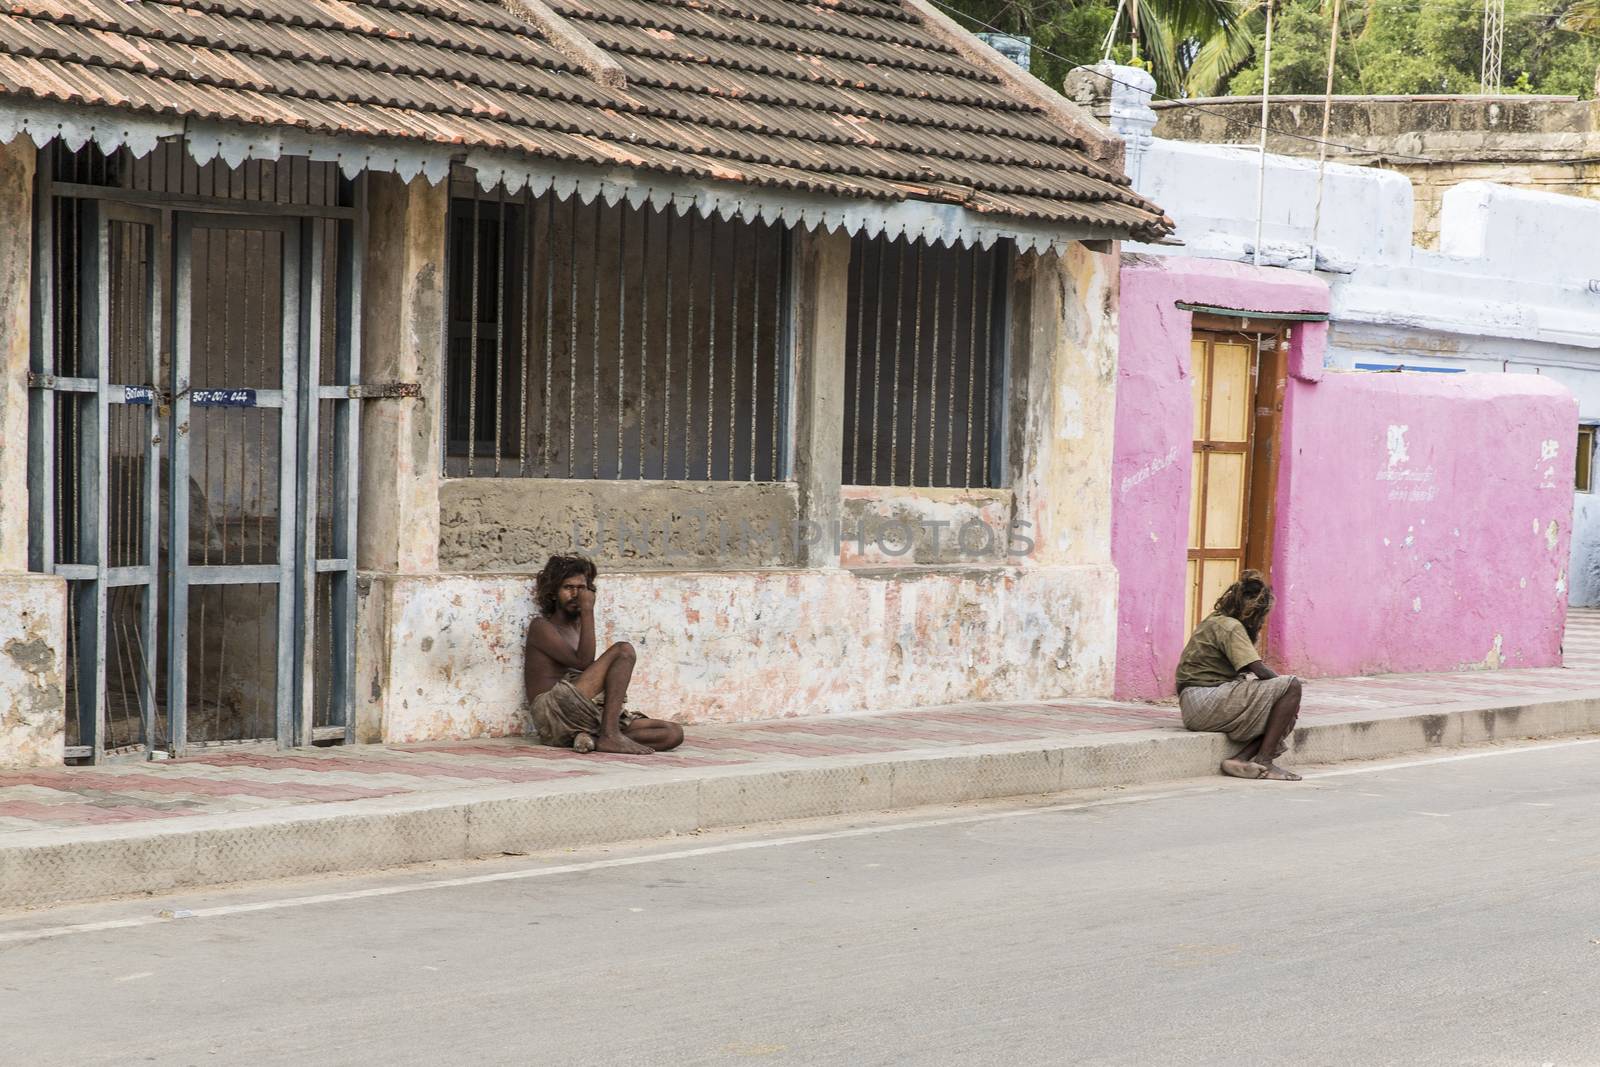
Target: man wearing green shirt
x: 1224, y: 687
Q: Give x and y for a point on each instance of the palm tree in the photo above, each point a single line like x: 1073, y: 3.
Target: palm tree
x: 1220, y: 54
x: 1172, y: 36
x: 1583, y: 17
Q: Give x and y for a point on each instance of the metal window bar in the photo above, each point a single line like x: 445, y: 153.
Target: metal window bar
x: 616, y: 341
x: 925, y: 364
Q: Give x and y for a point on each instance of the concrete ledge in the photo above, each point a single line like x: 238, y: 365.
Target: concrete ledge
x: 44, y: 867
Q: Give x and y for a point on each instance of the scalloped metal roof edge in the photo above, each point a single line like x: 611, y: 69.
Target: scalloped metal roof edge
x: 947, y: 224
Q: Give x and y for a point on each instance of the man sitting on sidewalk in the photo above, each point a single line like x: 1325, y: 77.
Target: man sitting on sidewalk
x: 1224, y: 687
x: 576, y: 697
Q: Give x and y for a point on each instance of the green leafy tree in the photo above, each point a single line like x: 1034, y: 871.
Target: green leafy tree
x: 1405, y: 47
x: 1299, y: 53
x: 1215, y: 47
x: 1582, y: 18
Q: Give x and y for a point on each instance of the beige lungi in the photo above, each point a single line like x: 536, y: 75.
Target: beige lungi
x: 1238, y: 708
x: 561, y: 713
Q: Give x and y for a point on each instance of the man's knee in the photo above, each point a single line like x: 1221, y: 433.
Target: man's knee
x: 1293, y: 688
x: 674, y: 735
x: 622, y: 650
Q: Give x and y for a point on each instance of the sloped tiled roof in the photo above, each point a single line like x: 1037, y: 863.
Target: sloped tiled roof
x: 850, y: 98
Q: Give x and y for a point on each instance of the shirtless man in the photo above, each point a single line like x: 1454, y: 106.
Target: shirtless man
x: 577, y: 698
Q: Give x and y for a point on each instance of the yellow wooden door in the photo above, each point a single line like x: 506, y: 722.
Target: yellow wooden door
x: 1223, y: 375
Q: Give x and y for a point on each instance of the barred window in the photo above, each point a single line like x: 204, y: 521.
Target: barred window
x: 591, y: 341
x: 925, y: 364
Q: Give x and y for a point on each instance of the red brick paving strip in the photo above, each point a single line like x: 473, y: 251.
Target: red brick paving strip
x: 210, y: 787
x: 467, y: 771
x: 85, y: 813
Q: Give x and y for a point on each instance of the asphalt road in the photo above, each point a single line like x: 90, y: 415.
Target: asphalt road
x: 1444, y: 913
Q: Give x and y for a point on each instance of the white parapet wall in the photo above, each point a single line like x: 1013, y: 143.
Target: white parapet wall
x: 1514, y: 287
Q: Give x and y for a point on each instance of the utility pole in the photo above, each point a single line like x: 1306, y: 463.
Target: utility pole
x: 1494, y: 32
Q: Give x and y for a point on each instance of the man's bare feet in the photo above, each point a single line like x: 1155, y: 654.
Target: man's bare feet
x: 1254, y: 769
x: 622, y: 745
x: 1271, y: 772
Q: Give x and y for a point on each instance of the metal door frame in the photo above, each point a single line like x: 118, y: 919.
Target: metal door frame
x: 345, y: 395
x: 299, y: 565
x: 184, y: 575
x: 91, y: 578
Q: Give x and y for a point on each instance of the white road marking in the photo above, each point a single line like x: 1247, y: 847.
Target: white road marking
x: 46, y: 933
x: 136, y: 977
x: 1381, y: 767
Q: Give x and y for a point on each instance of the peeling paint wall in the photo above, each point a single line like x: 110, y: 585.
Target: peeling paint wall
x: 894, y: 527
x: 750, y: 636
x: 754, y: 630
x: 33, y: 666
x: 1063, y: 383
x: 731, y: 646
x: 1426, y: 523
x: 402, y: 323
x: 501, y: 524
x: 16, y: 279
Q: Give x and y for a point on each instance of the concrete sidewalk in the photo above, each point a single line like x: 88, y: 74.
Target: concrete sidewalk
x: 236, y: 815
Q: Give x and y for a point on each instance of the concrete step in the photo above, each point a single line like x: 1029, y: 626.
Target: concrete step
x: 52, y: 866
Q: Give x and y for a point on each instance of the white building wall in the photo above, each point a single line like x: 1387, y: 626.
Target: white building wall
x: 1514, y: 288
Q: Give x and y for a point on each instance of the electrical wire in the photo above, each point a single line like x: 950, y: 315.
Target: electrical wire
x: 1327, y: 113
x: 1266, y: 97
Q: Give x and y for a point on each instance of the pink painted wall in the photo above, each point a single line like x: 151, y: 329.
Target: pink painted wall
x: 1430, y: 562
x: 1426, y: 523
x: 1154, y: 434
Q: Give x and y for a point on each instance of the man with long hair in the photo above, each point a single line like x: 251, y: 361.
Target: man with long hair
x: 1224, y: 687
x: 576, y: 697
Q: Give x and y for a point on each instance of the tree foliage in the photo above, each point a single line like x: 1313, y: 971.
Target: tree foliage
x: 1417, y: 46
x: 1215, y: 47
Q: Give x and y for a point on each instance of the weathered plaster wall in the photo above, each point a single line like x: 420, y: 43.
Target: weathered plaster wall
x: 1154, y: 432
x: 33, y: 668
x: 16, y: 280
x: 33, y: 607
x: 727, y: 646
x: 402, y: 324
x: 515, y: 524
x: 1425, y: 523
x: 444, y: 654
x: 1063, y: 388
x: 890, y: 526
